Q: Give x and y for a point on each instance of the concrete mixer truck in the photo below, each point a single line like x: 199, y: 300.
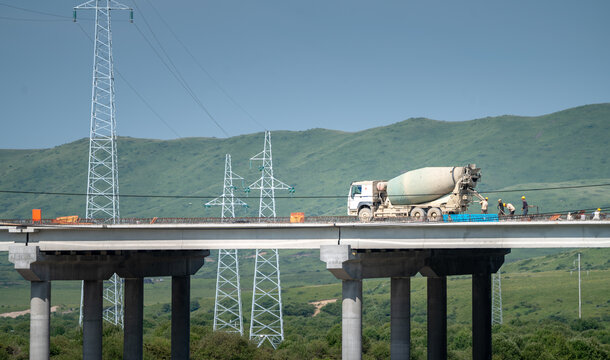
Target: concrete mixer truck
x: 428, y: 193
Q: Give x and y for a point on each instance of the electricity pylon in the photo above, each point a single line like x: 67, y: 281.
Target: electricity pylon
x: 496, y: 299
x: 228, y: 200
x: 227, y: 306
x: 103, y: 177
x: 267, y: 322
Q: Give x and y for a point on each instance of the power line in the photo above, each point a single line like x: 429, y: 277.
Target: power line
x: 136, y: 91
x: 202, y: 68
x: 35, y: 11
x: 32, y: 20
x: 175, y: 72
x: 24, y: 192
x: 543, y: 189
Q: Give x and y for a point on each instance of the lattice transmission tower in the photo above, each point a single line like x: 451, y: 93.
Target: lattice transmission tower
x: 103, y: 177
x: 496, y: 299
x: 227, y: 306
x: 267, y: 322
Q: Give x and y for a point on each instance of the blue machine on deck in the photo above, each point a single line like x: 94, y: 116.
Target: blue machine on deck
x: 470, y: 218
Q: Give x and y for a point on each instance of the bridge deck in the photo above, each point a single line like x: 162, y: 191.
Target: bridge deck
x: 376, y: 235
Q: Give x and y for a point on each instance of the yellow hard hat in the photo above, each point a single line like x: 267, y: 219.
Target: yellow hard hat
x: 486, y: 198
x: 598, y: 209
x: 504, y: 204
x: 523, y: 197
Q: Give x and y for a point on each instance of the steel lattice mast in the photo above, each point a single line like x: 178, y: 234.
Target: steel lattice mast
x: 227, y: 305
x: 496, y: 299
x: 228, y: 200
x: 103, y: 177
x: 267, y: 322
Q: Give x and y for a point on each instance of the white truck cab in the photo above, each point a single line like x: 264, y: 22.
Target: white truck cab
x: 362, y: 194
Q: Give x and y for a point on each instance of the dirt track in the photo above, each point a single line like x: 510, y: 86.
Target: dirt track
x: 320, y: 304
x: 15, y: 314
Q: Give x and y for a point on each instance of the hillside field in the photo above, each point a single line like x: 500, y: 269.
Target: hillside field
x: 567, y: 148
x: 539, y: 294
x: 559, y: 161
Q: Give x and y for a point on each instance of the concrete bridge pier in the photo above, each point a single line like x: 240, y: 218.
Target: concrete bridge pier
x: 40, y: 268
x: 181, y: 317
x: 480, y: 263
x: 180, y: 265
x: 481, y: 316
x: 132, y: 319
x: 92, y: 319
x: 351, y: 323
x: 400, y: 318
x: 353, y: 266
x: 437, y: 318
x: 40, y: 311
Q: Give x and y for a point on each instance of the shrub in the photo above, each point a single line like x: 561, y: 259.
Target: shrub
x: 299, y: 309
x: 585, y: 324
x: 504, y: 348
x: 586, y: 349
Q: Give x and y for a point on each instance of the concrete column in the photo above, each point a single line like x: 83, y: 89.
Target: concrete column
x: 352, y: 320
x: 92, y: 319
x: 40, y: 325
x: 481, y: 316
x: 400, y: 318
x: 134, y: 307
x: 437, y: 318
x: 181, y: 321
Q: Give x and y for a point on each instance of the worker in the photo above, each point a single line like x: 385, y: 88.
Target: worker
x: 510, y: 208
x: 569, y: 217
x: 500, y: 207
x: 484, y: 205
x: 525, y: 206
x: 596, y: 214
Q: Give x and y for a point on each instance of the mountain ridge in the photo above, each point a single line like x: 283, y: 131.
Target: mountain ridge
x: 567, y: 146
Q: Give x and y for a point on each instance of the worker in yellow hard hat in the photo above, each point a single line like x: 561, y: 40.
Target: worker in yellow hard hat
x: 525, y: 206
x: 596, y: 214
x: 500, y: 207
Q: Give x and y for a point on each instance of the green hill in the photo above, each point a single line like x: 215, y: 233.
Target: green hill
x: 565, y: 148
x: 540, y: 293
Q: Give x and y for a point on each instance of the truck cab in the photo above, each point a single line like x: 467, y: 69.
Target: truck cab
x: 362, y: 195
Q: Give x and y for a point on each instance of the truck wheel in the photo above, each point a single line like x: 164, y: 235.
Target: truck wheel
x: 365, y: 214
x: 435, y: 214
x: 418, y: 214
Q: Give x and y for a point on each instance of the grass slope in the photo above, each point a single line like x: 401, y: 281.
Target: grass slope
x: 540, y: 299
x: 564, y: 148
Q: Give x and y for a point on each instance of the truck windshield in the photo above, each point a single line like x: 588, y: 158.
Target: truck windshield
x: 356, y: 190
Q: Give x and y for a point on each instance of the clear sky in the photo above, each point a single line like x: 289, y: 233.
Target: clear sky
x: 295, y: 65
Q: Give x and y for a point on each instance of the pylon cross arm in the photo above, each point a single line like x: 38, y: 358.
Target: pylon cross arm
x: 92, y: 4
x: 279, y: 185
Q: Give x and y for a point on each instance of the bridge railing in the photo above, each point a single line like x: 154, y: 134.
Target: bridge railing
x: 307, y: 219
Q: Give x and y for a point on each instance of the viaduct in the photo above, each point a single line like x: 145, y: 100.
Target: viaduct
x: 352, y: 252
